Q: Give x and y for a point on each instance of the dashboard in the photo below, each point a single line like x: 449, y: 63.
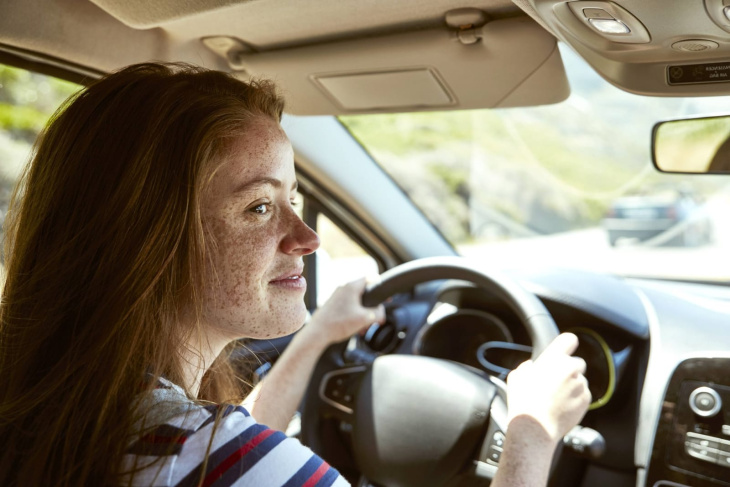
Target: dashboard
x: 652, y: 348
x: 648, y: 345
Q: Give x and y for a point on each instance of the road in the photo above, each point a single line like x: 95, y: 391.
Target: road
x: 585, y: 249
x: 589, y: 250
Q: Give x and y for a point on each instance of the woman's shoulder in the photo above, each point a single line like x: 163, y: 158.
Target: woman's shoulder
x: 222, y: 445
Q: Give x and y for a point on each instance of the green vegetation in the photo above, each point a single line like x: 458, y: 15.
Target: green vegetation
x: 470, y: 171
x: 27, y: 101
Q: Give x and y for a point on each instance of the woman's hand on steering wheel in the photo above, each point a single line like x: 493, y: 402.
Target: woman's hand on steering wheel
x: 552, y: 390
x: 343, y: 315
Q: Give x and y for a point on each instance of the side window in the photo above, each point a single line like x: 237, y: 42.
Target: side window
x: 27, y: 101
x: 339, y: 259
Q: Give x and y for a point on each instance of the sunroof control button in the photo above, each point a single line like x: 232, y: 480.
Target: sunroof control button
x: 597, y: 13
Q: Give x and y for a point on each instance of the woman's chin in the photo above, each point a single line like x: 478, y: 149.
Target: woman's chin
x: 286, y: 320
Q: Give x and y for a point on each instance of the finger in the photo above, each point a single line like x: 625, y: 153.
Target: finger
x: 579, y: 364
x: 584, y: 384
x: 564, y: 344
x: 524, y: 365
x: 585, y: 391
x: 379, y: 313
x: 519, y: 370
x: 357, y: 285
x: 588, y: 397
x: 370, y: 316
x: 372, y: 279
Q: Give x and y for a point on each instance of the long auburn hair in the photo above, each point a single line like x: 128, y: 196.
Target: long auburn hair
x: 106, y: 254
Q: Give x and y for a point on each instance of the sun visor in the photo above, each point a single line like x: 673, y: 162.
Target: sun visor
x: 515, y: 62
x: 145, y: 14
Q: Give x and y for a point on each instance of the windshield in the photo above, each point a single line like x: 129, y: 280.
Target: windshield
x: 570, y: 184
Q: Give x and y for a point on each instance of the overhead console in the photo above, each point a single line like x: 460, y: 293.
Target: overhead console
x: 692, y: 441
x: 649, y: 47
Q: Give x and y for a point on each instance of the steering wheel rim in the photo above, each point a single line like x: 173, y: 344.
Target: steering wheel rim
x: 532, y: 313
x: 536, y: 319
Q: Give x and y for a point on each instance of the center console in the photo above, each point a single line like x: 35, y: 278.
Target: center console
x: 692, y: 441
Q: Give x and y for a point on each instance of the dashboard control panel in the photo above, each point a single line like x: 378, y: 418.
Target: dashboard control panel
x: 692, y: 442
x: 339, y: 387
x: 703, y: 409
x: 708, y: 449
x: 494, y: 451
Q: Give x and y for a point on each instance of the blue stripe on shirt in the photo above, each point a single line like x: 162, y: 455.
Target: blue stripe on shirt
x: 304, y: 473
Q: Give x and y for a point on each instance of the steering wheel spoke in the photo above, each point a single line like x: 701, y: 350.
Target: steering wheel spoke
x: 491, y: 450
x: 338, y: 389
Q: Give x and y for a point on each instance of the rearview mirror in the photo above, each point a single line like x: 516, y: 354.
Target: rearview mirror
x: 692, y: 146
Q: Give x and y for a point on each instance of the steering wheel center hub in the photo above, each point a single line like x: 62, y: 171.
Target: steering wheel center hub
x: 418, y: 420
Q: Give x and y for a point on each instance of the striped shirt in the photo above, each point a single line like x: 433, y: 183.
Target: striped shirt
x: 172, y: 451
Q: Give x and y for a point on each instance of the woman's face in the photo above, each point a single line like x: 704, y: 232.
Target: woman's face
x: 256, y: 289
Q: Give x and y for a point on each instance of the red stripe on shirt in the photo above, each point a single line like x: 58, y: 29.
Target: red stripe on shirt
x: 318, y: 474
x: 235, y: 457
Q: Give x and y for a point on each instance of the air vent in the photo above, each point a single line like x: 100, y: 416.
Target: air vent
x: 383, y: 338
x: 694, y: 45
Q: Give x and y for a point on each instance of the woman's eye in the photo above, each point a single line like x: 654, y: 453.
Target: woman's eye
x: 296, y: 199
x: 261, y: 209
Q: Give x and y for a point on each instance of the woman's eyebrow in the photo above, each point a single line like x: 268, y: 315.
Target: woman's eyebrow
x: 257, y: 183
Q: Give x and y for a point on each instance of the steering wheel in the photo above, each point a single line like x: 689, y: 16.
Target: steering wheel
x: 415, y: 420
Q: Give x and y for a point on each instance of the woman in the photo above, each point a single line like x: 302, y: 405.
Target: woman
x: 154, y: 227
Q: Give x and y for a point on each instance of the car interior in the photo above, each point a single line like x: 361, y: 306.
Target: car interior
x: 445, y: 145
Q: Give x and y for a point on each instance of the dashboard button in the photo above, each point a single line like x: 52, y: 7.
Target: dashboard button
x: 597, y: 13
x: 701, y: 453
x: 723, y: 459
x: 724, y: 445
x: 705, y: 402
x: 494, y: 455
x: 338, y: 387
x: 703, y: 441
x: 498, y: 439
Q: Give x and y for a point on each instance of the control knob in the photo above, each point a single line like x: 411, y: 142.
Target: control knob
x: 705, y: 402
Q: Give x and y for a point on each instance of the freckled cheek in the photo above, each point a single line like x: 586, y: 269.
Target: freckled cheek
x: 245, y: 264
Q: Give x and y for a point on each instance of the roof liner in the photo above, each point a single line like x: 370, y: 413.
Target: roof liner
x: 143, y: 14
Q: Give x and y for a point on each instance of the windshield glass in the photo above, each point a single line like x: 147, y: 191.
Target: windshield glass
x: 570, y: 184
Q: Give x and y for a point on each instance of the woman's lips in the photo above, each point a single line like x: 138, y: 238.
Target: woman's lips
x: 294, y: 282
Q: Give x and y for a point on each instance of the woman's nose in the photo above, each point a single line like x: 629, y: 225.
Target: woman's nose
x: 299, y: 239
